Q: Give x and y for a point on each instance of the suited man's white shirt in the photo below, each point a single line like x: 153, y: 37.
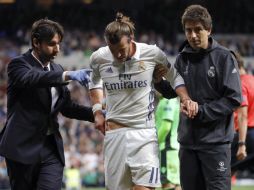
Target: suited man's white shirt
x: 54, y: 93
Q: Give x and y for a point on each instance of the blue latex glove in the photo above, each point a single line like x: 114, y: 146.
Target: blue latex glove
x: 82, y: 76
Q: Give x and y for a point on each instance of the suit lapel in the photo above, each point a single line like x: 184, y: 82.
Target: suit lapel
x: 44, y: 94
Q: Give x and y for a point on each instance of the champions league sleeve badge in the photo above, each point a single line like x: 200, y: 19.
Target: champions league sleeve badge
x: 211, y: 72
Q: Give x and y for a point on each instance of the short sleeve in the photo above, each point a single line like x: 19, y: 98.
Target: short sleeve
x: 173, y: 76
x: 96, y: 81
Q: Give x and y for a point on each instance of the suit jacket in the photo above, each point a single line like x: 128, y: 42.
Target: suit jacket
x: 29, y: 111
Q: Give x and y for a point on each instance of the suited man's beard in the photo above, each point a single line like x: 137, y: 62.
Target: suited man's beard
x: 45, y: 58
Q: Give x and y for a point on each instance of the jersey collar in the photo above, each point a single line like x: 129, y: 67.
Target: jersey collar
x: 137, y: 53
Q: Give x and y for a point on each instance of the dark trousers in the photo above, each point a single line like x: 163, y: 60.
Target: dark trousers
x: 206, y: 168
x: 248, y: 162
x: 45, y: 175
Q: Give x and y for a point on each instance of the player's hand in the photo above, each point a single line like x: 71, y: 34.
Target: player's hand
x: 189, y: 107
x: 82, y: 76
x: 241, y: 152
x: 99, y: 121
x: 159, y: 72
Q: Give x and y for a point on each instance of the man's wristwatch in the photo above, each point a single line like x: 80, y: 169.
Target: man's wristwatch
x: 241, y: 143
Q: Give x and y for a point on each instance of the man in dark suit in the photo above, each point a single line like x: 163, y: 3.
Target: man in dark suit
x: 37, y: 92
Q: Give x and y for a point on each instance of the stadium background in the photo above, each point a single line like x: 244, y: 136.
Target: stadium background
x: 156, y: 21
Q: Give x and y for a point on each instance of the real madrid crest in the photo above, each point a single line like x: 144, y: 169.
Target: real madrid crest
x: 142, y: 65
x: 211, y: 72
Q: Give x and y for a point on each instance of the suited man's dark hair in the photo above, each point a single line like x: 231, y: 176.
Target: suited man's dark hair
x: 44, y: 30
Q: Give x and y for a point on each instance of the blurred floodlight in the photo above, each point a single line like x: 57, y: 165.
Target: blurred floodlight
x: 45, y: 3
x: 87, y: 1
x: 7, y: 1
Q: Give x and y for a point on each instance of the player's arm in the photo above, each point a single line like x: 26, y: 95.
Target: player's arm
x: 177, y: 83
x: 242, y: 115
x: 161, y: 84
x: 188, y: 106
x: 96, y: 94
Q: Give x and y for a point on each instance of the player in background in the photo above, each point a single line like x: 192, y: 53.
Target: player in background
x: 243, y: 144
x: 125, y: 69
x: 167, y: 121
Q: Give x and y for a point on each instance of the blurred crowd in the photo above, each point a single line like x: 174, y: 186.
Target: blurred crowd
x: 89, y: 41
x: 83, y: 144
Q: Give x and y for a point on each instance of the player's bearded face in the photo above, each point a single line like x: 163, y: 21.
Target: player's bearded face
x: 47, y: 51
x: 121, y: 50
x: 196, y: 34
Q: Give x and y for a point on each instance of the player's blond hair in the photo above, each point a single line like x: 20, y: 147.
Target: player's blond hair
x: 121, y: 26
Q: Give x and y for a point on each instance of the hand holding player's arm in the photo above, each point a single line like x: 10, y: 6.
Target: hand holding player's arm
x: 189, y: 107
x: 96, y: 96
x: 242, y: 116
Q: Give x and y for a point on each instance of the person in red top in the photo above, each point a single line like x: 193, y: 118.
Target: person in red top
x: 243, y: 144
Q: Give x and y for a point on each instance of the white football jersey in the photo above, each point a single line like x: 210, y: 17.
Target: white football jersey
x: 128, y: 85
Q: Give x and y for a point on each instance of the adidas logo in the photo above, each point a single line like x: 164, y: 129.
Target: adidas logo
x: 109, y: 70
x: 234, y: 70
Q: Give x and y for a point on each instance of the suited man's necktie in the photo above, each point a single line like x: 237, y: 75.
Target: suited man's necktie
x: 49, y: 88
x: 45, y: 68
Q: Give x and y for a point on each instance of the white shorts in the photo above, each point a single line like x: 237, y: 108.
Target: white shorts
x: 131, y: 158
